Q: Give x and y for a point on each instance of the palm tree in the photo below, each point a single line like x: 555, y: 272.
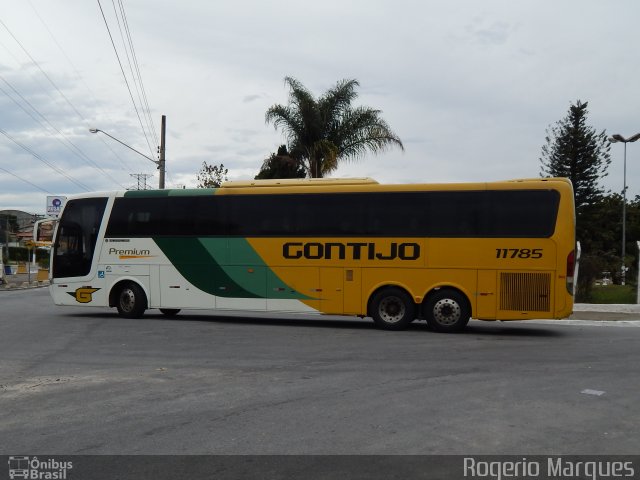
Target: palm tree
x: 322, y: 132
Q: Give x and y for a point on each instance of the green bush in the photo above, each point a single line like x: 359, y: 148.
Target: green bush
x: 613, y: 294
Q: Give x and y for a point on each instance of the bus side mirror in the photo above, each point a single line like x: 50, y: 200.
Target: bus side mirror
x: 43, y: 232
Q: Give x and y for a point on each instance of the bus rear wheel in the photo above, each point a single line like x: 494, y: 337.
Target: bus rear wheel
x: 447, y: 311
x: 392, y: 309
x: 131, y: 301
x: 170, y: 312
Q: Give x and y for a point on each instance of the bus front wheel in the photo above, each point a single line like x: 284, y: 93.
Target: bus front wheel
x: 131, y: 301
x: 392, y: 309
x: 447, y: 311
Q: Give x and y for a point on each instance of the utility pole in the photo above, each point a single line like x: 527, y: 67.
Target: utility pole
x: 161, y: 149
x: 638, y: 287
x: 161, y: 162
x: 619, y: 138
x: 6, y: 234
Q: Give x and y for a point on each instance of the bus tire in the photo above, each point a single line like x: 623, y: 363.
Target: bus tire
x: 170, y: 312
x: 447, y: 311
x: 392, y: 309
x: 131, y: 301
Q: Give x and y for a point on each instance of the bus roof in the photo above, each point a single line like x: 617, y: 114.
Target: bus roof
x: 299, y: 182
x: 334, y: 184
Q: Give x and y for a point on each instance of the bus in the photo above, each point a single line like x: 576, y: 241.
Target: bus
x: 443, y: 253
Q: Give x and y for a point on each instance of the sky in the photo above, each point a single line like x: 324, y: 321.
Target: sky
x: 469, y: 86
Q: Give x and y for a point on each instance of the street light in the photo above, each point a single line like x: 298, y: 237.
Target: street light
x: 615, y: 139
x: 160, y: 162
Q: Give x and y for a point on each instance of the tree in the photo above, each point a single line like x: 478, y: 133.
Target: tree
x: 322, y: 132
x: 574, y: 150
x: 8, y: 227
x: 212, y: 176
x: 281, y: 165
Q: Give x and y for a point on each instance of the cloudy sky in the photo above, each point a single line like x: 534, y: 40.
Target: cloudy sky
x: 469, y: 86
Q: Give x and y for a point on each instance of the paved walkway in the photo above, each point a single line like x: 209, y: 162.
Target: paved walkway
x: 609, y: 311
x: 21, y: 280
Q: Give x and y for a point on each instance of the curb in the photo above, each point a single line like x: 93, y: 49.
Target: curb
x: 607, y: 307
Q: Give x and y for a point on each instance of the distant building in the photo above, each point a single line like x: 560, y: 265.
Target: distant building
x: 16, y: 226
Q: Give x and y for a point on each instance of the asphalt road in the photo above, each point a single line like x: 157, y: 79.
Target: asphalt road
x: 84, y: 381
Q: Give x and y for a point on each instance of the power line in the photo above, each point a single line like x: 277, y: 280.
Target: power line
x: 144, y: 101
x: 133, y: 77
x: 125, y: 166
x: 87, y: 159
x: 46, y: 162
x: 67, y: 143
x: 26, y: 181
x: 124, y: 76
x: 43, y: 72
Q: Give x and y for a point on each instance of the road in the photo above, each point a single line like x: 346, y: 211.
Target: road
x: 84, y: 381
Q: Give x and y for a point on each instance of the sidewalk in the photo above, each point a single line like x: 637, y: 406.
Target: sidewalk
x: 21, y: 281
x: 607, y: 307
x: 609, y: 311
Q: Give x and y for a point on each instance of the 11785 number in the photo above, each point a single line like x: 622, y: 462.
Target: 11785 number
x: 518, y: 253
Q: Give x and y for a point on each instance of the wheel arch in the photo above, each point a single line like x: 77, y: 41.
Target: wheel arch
x: 381, y: 287
x: 450, y: 286
x: 115, y: 287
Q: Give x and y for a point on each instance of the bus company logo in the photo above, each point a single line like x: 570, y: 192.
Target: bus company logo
x: 128, y: 254
x: 84, y: 294
x: 350, y: 251
x: 35, y: 469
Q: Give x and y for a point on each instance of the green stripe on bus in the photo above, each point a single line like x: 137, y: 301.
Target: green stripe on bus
x: 146, y: 193
x: 194, y: 263
x: 244, y: 257
x: 203, y: 262
x: 192, y: 192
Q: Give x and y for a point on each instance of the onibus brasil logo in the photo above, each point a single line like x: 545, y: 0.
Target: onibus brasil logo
x: 35, y: 469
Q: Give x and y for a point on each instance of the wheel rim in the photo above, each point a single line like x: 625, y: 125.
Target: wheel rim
x: 392, y: 309
x: 447, y: 311
x: 127, y: 300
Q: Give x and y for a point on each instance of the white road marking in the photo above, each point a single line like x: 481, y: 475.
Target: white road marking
x: 597, y: 393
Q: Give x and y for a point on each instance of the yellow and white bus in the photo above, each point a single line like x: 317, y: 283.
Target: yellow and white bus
x: 396, y: 253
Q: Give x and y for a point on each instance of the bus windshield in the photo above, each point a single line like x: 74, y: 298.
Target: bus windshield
x: 76, y: 237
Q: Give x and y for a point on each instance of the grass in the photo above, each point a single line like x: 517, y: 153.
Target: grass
x: 614, y: 294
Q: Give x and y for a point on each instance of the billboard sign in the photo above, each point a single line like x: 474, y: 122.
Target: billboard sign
x: 54, y: 205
